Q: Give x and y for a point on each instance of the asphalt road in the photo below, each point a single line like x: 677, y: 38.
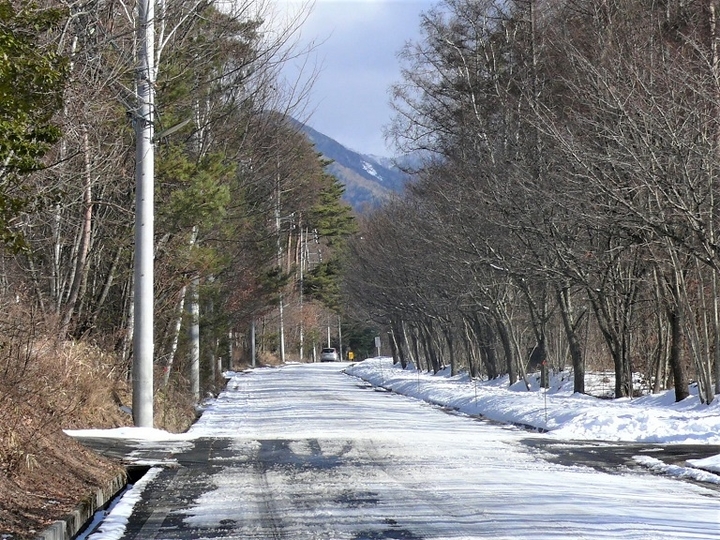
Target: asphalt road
x: 309, y: 453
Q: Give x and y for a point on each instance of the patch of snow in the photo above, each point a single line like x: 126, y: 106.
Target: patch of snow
x: 675, y: 470
x: 115, y: 522
x: 129, y: 433
x: 709, y: 464
x: 371, y: 170
x: 566, y: 415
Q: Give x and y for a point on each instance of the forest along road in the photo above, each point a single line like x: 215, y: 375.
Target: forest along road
x: 306, y: 452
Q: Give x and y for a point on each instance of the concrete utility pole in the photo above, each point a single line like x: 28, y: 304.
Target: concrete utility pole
x: 340, y: 345
x: 252, y: 342
x: 194, y: 337
x: 278, y: 227
x: 144, y: 219
x: 303, y: 238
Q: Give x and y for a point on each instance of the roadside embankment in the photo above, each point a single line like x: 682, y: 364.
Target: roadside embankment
x: 72, y: 524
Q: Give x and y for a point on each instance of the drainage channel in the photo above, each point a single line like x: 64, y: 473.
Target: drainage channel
x: 134, y: 474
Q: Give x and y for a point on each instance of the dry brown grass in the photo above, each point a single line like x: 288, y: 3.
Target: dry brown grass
x: 46, y: 387
x: 265, y: 358
x: 174, y: 409
x: 54, y: 474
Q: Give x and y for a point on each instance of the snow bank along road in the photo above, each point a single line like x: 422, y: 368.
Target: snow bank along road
x: 307, y: 452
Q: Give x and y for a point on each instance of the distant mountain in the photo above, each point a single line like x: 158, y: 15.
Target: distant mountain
x: 368, y: 179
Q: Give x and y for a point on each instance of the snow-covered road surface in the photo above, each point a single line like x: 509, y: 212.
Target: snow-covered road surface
x: 306, y: 452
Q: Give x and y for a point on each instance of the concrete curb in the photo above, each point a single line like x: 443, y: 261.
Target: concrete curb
x: 68, y: 527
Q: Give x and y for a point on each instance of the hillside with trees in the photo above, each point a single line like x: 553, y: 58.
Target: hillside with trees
x: 368, y: 180
x: 248, y: 227
x: 567, y: 215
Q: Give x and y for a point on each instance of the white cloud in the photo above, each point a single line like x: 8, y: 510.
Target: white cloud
x: 357, y: 42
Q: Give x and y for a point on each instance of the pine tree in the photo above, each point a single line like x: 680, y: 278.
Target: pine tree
x: 31, y: 91
x: 332, y: 217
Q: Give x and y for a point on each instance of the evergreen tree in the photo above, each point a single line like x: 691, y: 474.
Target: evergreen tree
x: 334, y: 222
x: 31, y: 90
x: 332, y: 217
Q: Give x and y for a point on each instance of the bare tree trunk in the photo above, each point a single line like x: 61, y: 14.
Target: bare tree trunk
x: 413, y: 355
x: 398, y: 344
x: 700, y: 345
x: 84, y: 247
x: 110, y: 278
x: 487, y: 348
x: 394, y: 348
x: 611, y: 317
x: 510, y: 362
x: 661, y: 353
x: 36, y: 285
x: 427, y: 342
x: 675, y: 317
x: 473, y: 360
x: 716, y: 330
x: 715, y: 41
x: 416, y: 346
x: 176, y: 336
x: 194, y: 334
x: 130, y: 323
x: 570, y: 325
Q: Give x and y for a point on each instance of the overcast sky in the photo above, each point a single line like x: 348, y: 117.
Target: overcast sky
x: 358, y: 42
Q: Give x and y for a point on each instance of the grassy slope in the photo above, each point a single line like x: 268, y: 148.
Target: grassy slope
x: 44, y: 474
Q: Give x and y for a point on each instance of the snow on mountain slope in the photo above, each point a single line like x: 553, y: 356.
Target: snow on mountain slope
x: 368, y: 179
